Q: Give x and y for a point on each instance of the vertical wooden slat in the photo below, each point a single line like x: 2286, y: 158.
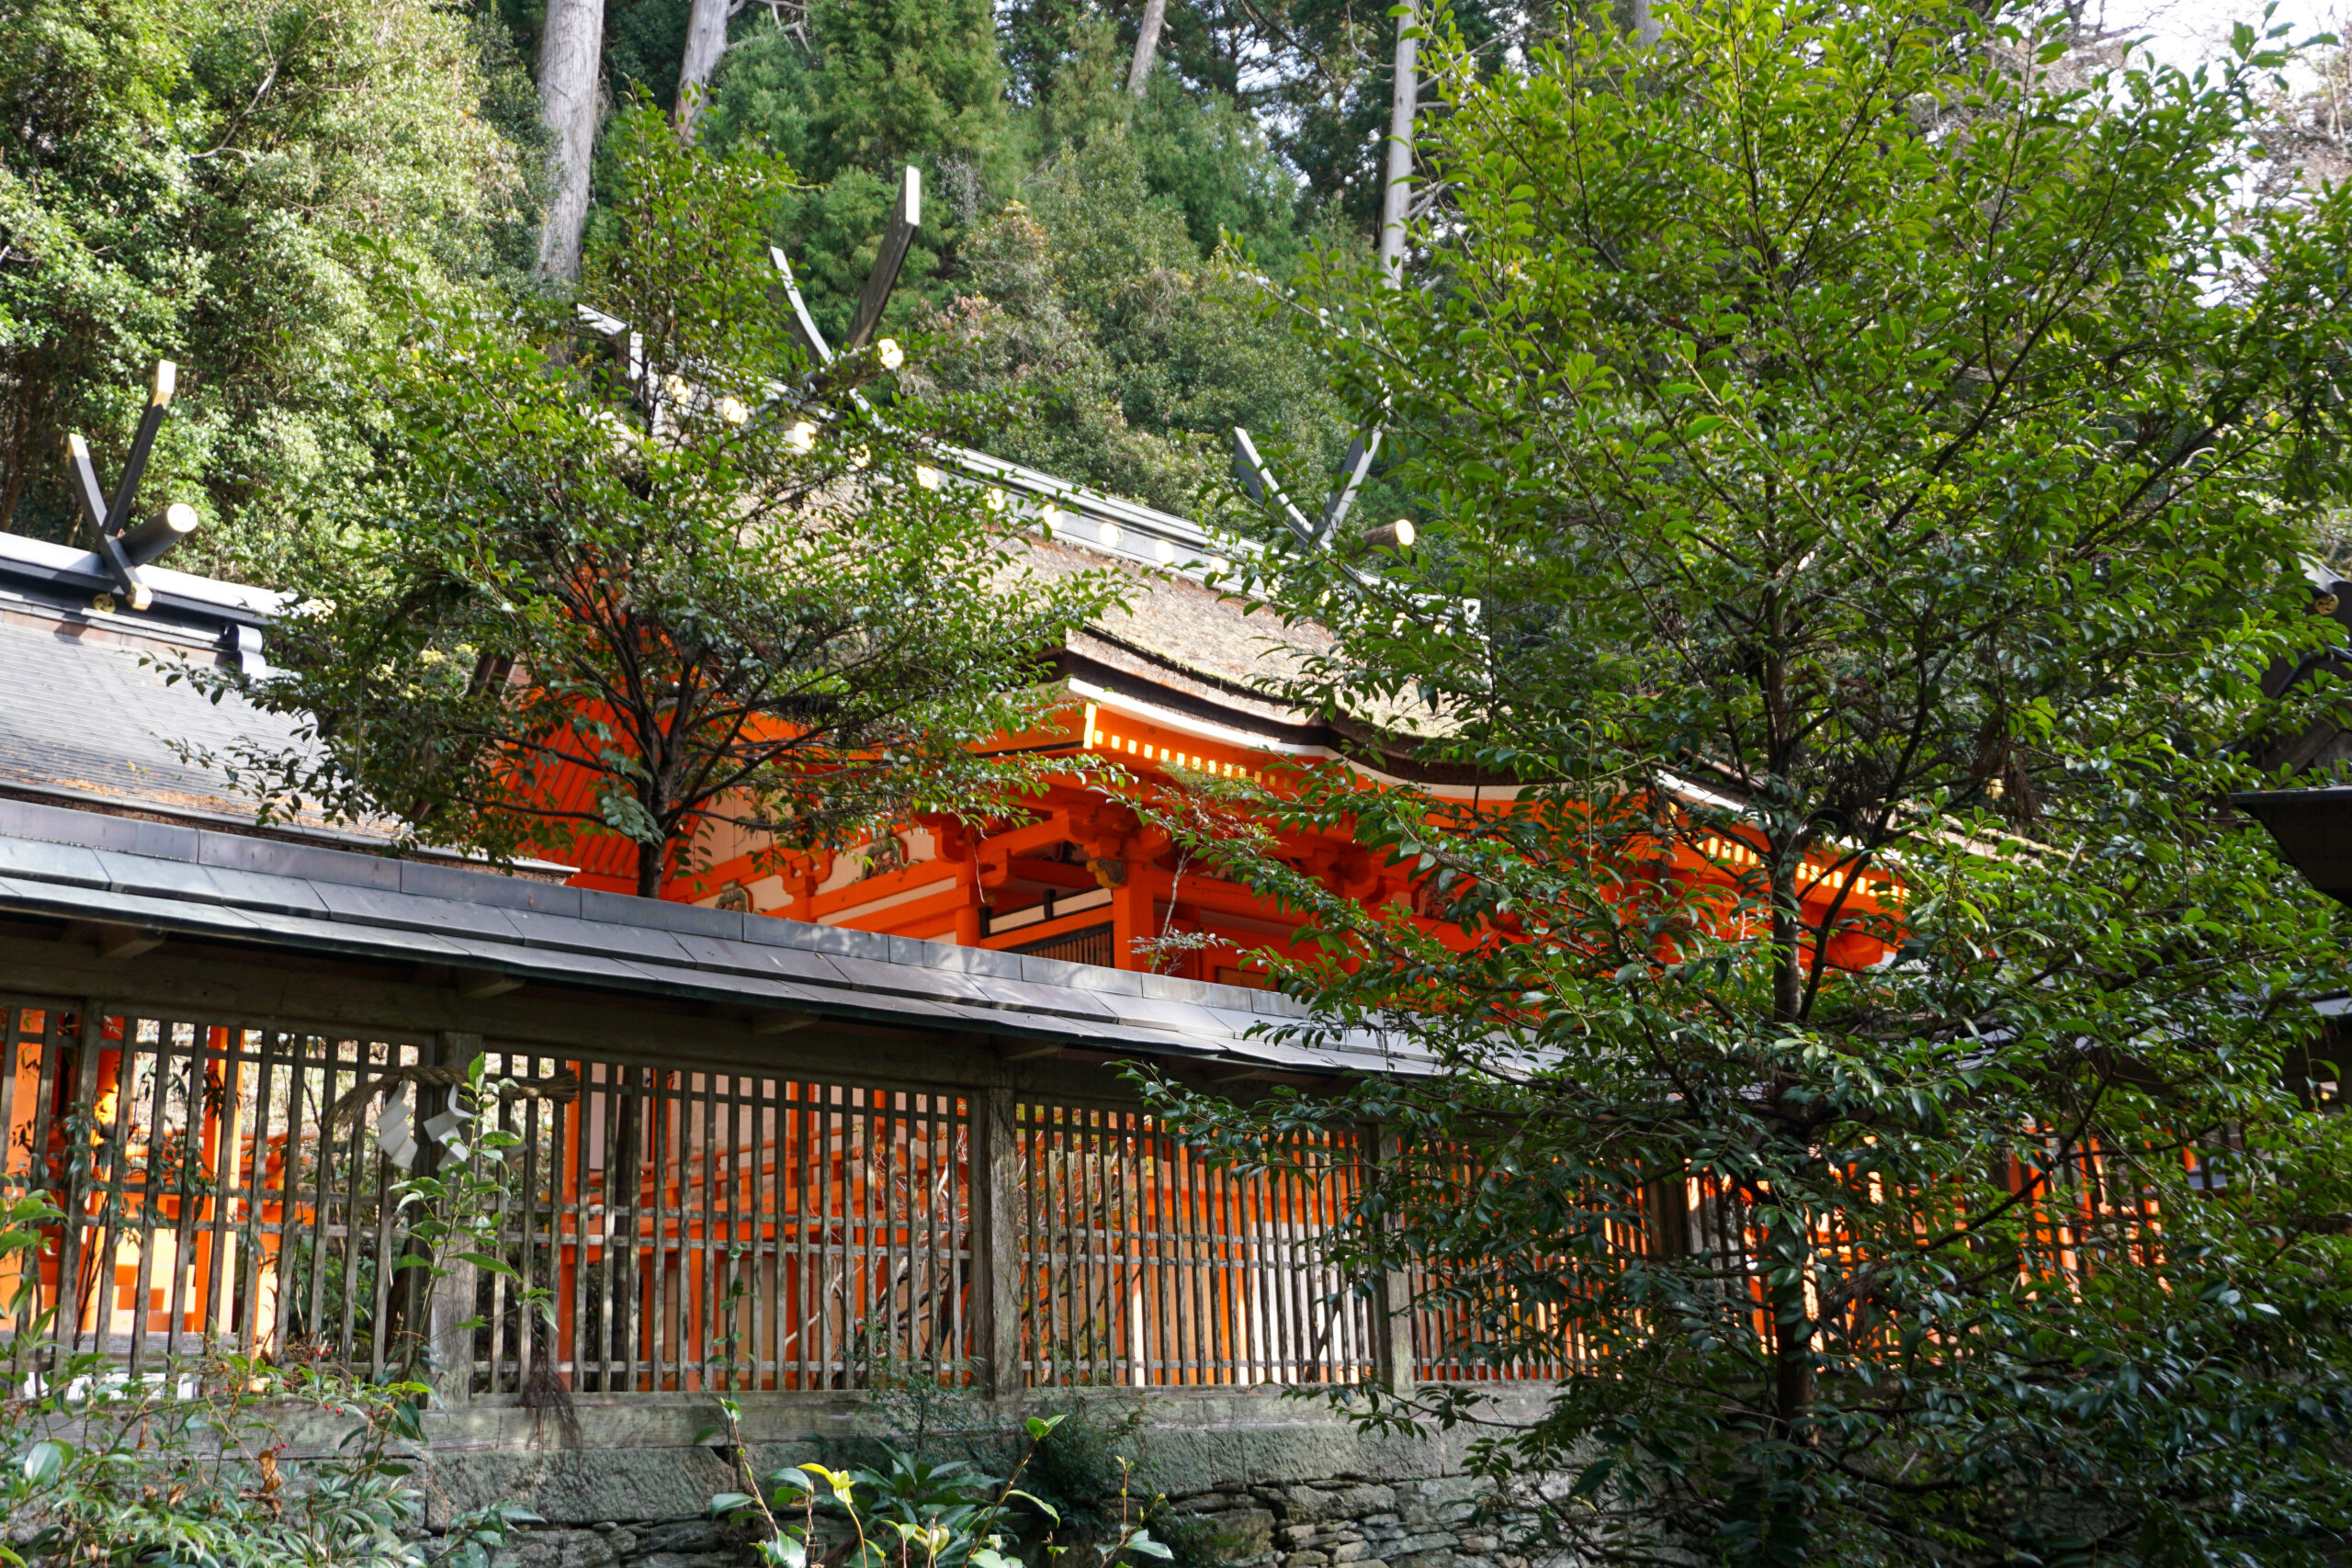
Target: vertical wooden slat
x: 1160, y: 1254
x: 355, y: 1171
x: 834, y: 1238
x: 722, y: 1309
x: 1079, y: 1162
x: 112, y: 1206
x: 494, y: 1329
x: 993, y: 1137
x: 592, y: 1214
x: 1248, y: 1346
x: 924, y: 1180
x: 254, y: 1165
x: 891, y: 1205
x: 793, y: 1187
x: 151, y: 1187
x: 615, y: 1131
x: 1286, y: 1282
x: 1171, y: 1264
x: 673, y: 1191
x: 1035, y: 1294
x: 625, y: 1175
x: 1200, y: 1279
x: 698, y: 1330
x: 229, y: 1128
x: 567, y: 1123
x: 1042, y: 1298
x: 380, y: 1170
x: 1134, y: 1338
x: 298, y: 1085
x: 882, y: 1165
x: 1085, y: 1155
x: 630, y: 1176
x: 54, y: 1054
x: 881, y: 1233
x: 1065, y: 1239
x: 533, y: 1219
x: 767, y: 1234
x: 12, y: 1027
x: 68, y: 1327
x: 809, y: 1241
x: 450, y: 1301
x: 1094, y: 1213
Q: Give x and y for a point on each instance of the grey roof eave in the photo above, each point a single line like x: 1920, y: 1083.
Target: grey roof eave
x: 75, y: 865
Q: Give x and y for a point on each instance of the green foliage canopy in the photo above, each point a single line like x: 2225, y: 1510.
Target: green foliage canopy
x: 214, y: 182
x: 555, y: 615
x: 1848, y: 454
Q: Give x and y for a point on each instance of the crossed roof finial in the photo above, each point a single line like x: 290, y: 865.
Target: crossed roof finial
x: 125, y: 549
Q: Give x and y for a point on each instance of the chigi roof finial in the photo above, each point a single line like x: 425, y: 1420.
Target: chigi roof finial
x: 125, y: 548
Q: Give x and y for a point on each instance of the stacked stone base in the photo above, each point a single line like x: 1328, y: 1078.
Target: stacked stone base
x: 1341, y: 1523
x: 665, y: 1543
x: 1289, y: 1484
x: 1348, y: 1522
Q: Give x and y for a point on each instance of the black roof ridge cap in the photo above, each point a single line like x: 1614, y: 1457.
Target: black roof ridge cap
x: 239, y: 600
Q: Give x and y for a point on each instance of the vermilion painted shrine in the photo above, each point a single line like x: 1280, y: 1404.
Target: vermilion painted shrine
x: 787, y: 1139
x: 786, y: 1134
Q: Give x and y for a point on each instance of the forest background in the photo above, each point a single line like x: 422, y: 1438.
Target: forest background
x: 256, y: 188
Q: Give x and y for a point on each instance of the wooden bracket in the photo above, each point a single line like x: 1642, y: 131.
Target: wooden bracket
x: 781, y: 1022
x: 475, y: 985
x: 1028, y: 1051
x: 113, y: 940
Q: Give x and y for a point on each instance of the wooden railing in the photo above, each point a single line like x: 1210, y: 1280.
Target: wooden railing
x: 673, y: 1227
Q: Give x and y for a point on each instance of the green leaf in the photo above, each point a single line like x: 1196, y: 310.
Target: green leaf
x: 46, y: 1461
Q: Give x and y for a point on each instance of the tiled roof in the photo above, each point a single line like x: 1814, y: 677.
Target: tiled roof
x: 89, y: 715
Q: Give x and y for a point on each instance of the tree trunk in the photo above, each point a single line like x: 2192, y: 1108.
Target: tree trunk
x: 705, y: 41
x: 570, y: 52
x: 1396, y: 189
x: 650, y: 859
x: 1147, y: 45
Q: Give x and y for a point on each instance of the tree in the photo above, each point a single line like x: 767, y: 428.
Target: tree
x: 214, y: 182
x: 1132, y: 358
x: 1864, y: 482
x: 552, y: 615
x: 706, y: 44
x: 571, y: 49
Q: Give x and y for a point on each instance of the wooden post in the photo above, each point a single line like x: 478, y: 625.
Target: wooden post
x: 996, y: 1239
x: 1394, y: 1335
x: 449, y: 1312
x: 1132, y: 919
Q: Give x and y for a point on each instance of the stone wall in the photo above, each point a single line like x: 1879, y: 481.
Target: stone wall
x: 1344, y: 1522
x: 1288, y: 1483
x: 1348, y: 1522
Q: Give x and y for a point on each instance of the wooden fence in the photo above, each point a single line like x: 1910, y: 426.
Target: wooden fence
x: 700, y: 1226
x: 691, y: 1227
